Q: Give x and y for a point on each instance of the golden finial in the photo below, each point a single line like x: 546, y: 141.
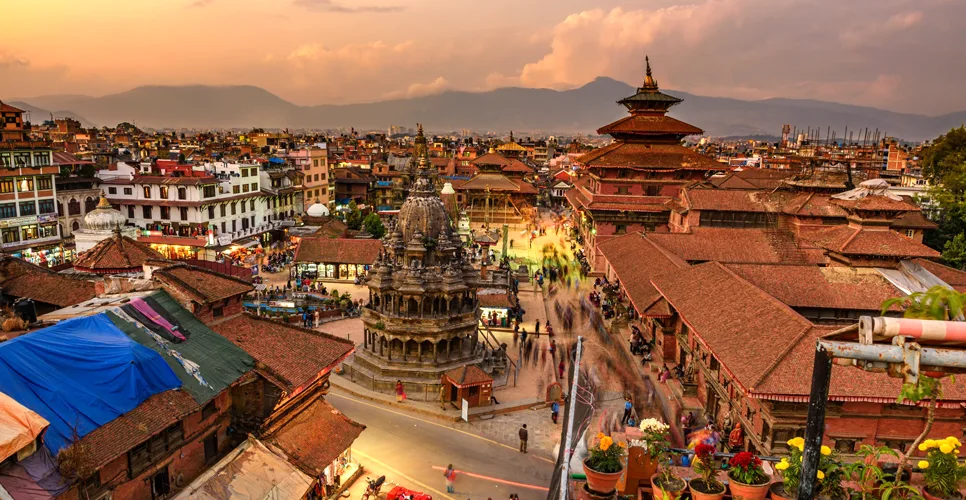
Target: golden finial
x: 649, y: 82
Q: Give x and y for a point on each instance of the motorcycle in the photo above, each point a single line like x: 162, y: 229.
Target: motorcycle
x: 372, y: 490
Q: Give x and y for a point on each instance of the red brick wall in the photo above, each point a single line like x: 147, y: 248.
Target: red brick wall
x: 188, y: 461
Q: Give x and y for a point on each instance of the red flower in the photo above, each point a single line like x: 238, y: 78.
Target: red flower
x: 745, y: 460
x: 704, y: 452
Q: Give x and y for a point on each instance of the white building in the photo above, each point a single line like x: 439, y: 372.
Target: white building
x: 200, y: 206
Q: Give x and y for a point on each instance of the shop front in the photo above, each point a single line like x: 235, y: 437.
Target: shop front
x: 175, y: 247
x: 342, y: 259
x: 47, y: 255
x: 495, y: 307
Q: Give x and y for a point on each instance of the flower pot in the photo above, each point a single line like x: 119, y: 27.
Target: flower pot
x: 601, y: 482
x: 697, y: 491
x: 929, y: 496
x: 742, y: 491
x: 671, y: 491
x: 777, y: 492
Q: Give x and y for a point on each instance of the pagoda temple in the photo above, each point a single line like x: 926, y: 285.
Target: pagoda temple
x: 422, y: 316
x: 628, y: 185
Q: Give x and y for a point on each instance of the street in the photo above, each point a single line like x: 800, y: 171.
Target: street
x: 412, y: 452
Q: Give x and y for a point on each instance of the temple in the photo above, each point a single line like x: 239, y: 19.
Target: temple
x: 629, y: 183
x: 421, y: 320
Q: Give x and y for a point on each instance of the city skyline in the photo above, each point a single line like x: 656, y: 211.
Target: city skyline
x: 329, y: 51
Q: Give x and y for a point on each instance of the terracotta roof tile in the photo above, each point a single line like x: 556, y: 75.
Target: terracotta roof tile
x: 295, y: 355
x: 848, y: 240
x: 648, y: 156
x: 752, y: 178
x: 649, y: 125
x: 813, y: 205
x: 913, y: 220
x: 117, y: 254
x: 120, y: 435
x: 635, y: 260
x: 875, y: 202
x: 728, y: 200
x: 825, y: 287
x: 315, y: 437
x: 493, y: 181
x: 338, y: 250
x: 580, y: 197
x: 468, y: 375
x: 203, y: 285
x: 9, y: 109
x: 23, y: 279
x: 728, y: 245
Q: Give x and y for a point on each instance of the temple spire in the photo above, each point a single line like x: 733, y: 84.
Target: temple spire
x: 650, y: 84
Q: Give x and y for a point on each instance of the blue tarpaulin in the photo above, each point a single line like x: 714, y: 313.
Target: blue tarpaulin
x: 81, y: 374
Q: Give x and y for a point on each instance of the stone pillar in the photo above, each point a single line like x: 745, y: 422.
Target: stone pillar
x: 435, y: 352
x: 389, y: 342
x: 419, y: 352
x: 449, y: 349
x: 381, y: 341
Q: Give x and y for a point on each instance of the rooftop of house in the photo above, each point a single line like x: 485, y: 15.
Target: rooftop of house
x: 202, y: 285
x: 23, y: 279
x: 291, y: 356
x: 117, y: 254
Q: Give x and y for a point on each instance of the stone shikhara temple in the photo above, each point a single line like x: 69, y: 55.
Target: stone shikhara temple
x: 422, y: 316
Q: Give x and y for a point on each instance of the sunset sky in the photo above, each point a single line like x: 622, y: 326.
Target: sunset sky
x: 905, y: 55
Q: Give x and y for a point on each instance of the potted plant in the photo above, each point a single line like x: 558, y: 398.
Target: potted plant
x: 706, y: 487
x: 830, y: 474
x: 747, y: 479
x: 942, y: 473
x: 665, y: 485
x: 603, y: 466
x: 867, y: 473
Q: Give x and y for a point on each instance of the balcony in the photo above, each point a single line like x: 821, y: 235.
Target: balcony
x: 29, y: 243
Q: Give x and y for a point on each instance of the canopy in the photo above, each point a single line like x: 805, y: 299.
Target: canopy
x: 251, y: 471
x: 18, y: 426
x: 80, y: 374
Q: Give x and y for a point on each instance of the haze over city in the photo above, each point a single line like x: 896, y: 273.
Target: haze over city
x: 346, y: 51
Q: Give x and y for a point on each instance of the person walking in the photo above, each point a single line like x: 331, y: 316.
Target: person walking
x: 560, y: 368
x: 536, y: 328
x: 523, y: 439
x: 628, y: 408
x: 450, y: 475
x: 400, y: 391
x: 554, y: 411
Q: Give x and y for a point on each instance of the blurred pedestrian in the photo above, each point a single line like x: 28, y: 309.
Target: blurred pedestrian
x: 400, y: 391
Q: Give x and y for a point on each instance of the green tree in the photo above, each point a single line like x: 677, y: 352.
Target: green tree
x: 374, y: 226
x: 954, y: 251
x: 87, y: 171
x: 944, y: 165
x: 353, y: 218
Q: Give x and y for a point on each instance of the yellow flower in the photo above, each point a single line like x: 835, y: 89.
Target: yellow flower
x: 946, y: 448
x: 605, y: 442
x: 922, y: 446
x: 821, y: 475
x: 923, y: 464
x: 797, y: 443
x: 621, y: 444
x: 826, y: 450
x: 782, y: 465
x: 953, y: 441
x: 600, y: 435
x: 929, y: 443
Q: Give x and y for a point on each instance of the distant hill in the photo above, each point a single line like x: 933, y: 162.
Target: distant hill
x: 580, y: 110
x: 39, y: 115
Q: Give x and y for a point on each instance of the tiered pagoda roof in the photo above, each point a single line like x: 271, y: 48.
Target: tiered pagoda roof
x: 115, y: 255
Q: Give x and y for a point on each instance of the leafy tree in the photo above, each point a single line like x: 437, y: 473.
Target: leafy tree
x: 87, y: 171
x: 954, y: 251
x: 944, y: 165
x: 353, y: 218
x: 374, y: 226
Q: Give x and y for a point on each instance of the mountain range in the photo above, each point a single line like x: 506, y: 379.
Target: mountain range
x: 580, y: 110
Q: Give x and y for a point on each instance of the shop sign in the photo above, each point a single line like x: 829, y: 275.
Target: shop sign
x: 47, y: 218
x: 18, y: 221
x: 224, y: 240
x: 465, y: 414
x: 281, y: 303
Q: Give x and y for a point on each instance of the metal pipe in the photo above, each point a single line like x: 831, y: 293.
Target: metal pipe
x: 815, y: 424
x: 921, y: 329
x: 928, y: 356
x: 572, y: 409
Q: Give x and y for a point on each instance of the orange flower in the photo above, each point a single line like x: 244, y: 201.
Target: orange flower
x: 606, y: 442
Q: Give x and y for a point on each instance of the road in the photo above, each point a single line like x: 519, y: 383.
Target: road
x: 411, y: 451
